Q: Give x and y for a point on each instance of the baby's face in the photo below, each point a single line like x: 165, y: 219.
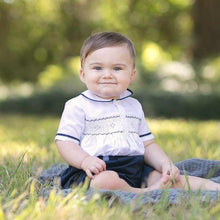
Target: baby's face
x: 107, y: 72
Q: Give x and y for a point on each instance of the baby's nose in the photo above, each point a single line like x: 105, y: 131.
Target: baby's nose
x: 107, y: 74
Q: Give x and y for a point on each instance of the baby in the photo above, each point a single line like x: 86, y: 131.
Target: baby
x: 103, y: 134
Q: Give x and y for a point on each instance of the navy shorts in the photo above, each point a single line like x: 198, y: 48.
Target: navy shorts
x: 130, y: 168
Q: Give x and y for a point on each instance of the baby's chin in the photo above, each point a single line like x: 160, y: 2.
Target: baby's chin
x: 108, y: 96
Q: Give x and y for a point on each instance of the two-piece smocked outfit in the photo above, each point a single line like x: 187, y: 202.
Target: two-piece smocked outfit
x: 113, y: 130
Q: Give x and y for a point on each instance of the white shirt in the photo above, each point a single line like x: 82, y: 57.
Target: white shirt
x: 105, y: 127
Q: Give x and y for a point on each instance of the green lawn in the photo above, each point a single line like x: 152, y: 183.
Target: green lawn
x: 27, y: 147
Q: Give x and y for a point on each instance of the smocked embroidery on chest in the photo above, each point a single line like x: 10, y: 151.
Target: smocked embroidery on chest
x: 111, y: 125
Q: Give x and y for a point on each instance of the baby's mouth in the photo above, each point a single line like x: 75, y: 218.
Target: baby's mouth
x: 107, y: 83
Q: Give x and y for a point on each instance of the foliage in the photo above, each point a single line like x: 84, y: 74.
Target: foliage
x: 206, y: 33
x: 27, y: 148
x: 41, y: 40
x: 38, y: 33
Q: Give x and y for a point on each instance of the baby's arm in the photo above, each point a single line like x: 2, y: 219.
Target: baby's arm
x: 157, y: 158
x: 76, y: 157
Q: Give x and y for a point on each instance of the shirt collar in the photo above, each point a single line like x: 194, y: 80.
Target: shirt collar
x: 91, y: 96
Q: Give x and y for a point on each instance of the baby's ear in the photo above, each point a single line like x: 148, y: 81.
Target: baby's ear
x: 133, y: 74
x: 81, y: 75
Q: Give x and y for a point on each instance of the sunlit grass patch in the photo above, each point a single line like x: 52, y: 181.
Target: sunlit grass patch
x: 183, y: 139
x: 27, y: 147
x: 76, y: 205
x: 33, y: 135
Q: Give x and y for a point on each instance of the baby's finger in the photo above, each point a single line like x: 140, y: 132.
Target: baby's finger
x: 102, y: 164
x: 89, y: 174
x: 177, y: 177
x: 95, y: 170
x: 176, y: 174
x: 166, y: 172
x: 168, y: 183
x: 101, y: 167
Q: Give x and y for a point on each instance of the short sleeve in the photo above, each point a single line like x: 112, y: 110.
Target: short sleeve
x: 72, y: 123
x: 144, y: 131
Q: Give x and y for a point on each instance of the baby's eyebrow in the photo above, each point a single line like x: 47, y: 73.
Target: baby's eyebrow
x: 119, y: 64
x: 114, y: 64
x: 92, y: 64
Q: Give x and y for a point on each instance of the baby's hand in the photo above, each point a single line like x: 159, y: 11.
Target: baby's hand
x: 171, y: 170
x: 93, y: 165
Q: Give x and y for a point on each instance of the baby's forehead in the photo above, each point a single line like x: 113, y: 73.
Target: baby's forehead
x: 111, y: 48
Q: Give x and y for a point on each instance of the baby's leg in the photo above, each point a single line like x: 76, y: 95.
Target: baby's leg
x: 110, y: 180
x: 186, y: 182
x: 197, y: 183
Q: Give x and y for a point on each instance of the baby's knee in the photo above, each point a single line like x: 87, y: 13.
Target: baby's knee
x: 105, y: 180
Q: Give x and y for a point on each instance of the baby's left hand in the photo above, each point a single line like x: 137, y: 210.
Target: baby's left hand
x: 171, y: 170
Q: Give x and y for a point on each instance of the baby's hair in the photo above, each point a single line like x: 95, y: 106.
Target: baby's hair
x: 102, y: 40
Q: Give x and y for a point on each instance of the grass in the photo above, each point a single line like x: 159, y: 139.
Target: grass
x: 27, y: 147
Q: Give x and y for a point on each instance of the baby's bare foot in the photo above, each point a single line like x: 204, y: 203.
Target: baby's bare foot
x: 163, y: 183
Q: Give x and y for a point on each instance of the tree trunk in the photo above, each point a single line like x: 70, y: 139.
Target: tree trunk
x: 206, y: 17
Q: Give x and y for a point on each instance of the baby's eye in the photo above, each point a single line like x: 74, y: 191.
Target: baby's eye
x: 117, y: 68
x: 97, y: 68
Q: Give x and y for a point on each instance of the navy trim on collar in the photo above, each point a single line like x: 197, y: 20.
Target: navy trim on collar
x: 98, y: 99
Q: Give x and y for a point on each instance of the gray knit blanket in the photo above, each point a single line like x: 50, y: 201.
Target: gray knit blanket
x: 209, y: 169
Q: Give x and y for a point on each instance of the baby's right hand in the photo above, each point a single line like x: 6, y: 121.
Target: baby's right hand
x: 92, y: 166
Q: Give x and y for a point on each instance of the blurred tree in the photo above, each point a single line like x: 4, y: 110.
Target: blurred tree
x: 206, y: 19
x: 166, y: 23
x: 35, y: 34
